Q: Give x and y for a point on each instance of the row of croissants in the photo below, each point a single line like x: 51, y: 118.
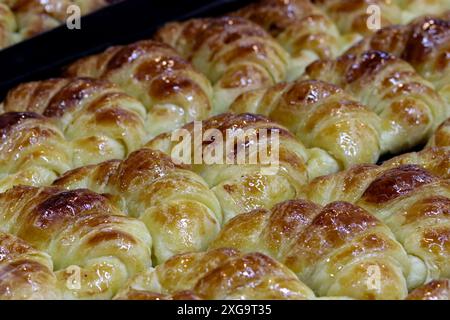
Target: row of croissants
x: 94, y: 206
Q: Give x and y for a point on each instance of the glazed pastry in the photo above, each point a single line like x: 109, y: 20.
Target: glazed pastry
x: 413, y: 201
x: 409, y: 107
x: 32, y: 150
x: 176, y: 205
x: 247, y: 160
x: 25, y: 273
x: 300, y: 27
x: 424, y: 43
x: 100, y: 121
x: 8, y: 27
x: 434, y: 290
x: 218, y: 275
x: 236, y: 54
x: 80, y: 230
x: 337, y: 250
x: 321, y: 115
x: 352, y: 16
x: 441, y: 137
x: 173, y: 92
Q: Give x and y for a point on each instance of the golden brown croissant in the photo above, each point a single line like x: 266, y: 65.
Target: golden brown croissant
x: 338, y: 250
x: 320, y: 115
x: 25, y: 273
x: 409, y: 107
x: 176, y: 205
x: 300, y: 27
x: 173, y: 92
x: 100, y: 121
x: 434, y: 290
x: 247, y: 160
x: 352, y: 16
x: 32, y: 150
x: 441, y: 137
x: 413, y: 201
x: 219, y: 274
x: 94, y: 247
x: 424, y: 43
x: 236, y: 54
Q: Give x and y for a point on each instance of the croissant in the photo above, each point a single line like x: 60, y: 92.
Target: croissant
x: 321, y: 115
x: 300, y: 27
x: 247, y: 160
x: 8, y: 26
x: 424, y: 43
x: 441, y: 137
x: 100, y: 121
x: 353, y: 16
x: 434, y: 290
x: 80, y: 230
x: 409, y: 107
x: 173, y: 92
x: 217, y: 275
x: 415, y: 8
x: 337, y: 250
x: 32, y: 150
x: 413, y: 201
x: 25, y: 273
x: 176, y: 205
x: 235, y: 54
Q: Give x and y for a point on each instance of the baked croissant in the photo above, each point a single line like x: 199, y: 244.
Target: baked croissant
x: 434, y: 290
x: 217, y: 275
x: 353, y: 16
x: 416, y: 8
x: 412, y: 201
x: 236, y: 54
x: 173, y: 92
x: 300, y: 27
x: 25, y: 273
x: 441, y: 137
x: 8, y: 27
x: 33, y: 151
x: 247, y: 160
x: 321, y: 115
x: 424, y: 43
x: 100, y: 121
x: 337, y: 250
x: 409, y: 107
x: 80, y: 230
x: 176, y: 205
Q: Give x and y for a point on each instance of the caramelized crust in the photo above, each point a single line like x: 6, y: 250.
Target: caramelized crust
x: 411, y: 194
x: 234, y: 53
x: 25, y: 273
x: 332, y: 249
x: 173, y: 92
x: 409, y: 107
x: 321, y: 115
x: 242, y: 186
x: 220, y: 274
x: 100, y: 121
x: 78, y: 229
x: 176, y: 205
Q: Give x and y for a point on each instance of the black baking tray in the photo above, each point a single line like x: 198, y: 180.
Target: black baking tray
x: 45, y: 55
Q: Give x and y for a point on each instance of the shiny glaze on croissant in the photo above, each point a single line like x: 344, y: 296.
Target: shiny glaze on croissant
x: 25, y: 273
x: 217, y: 275
x: 246, y: 186
x: 412, y: 199
x: 33, y: 151
x: 82, y: 229
x: 333, y: 249
x: 300, y: 27
x: 236, y: 54
x: 434, y: 290
x: 173, y: 92
x: 100, y: 121
x: 320, y: 115
x: 409, y: 107
x: 176, y: 205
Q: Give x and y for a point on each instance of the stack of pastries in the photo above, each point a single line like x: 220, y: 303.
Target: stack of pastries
x: 23, y: 19
x: 98, y: 200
